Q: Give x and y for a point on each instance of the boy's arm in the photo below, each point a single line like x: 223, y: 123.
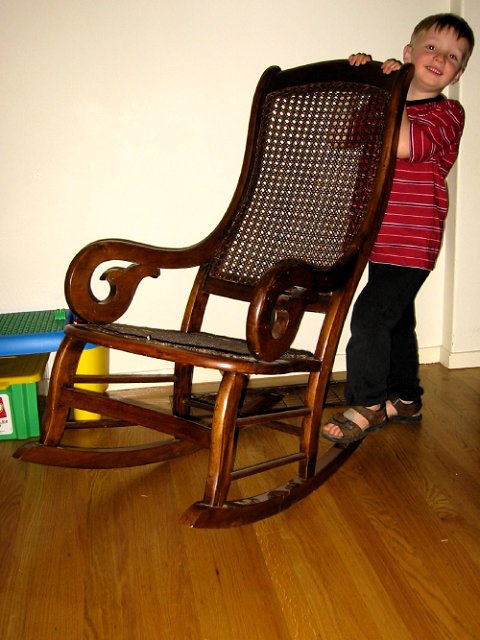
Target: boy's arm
x: 403, y: 147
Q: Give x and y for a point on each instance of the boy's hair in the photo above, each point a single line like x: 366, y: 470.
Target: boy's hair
x: 443, y: 21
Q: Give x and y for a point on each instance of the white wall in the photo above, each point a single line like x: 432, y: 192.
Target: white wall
x: 461, y: 330
x: 127, y: 118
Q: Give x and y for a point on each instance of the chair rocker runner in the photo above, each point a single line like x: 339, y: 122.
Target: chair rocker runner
x: 296, y: 237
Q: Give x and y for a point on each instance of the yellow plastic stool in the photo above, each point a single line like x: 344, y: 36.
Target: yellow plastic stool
x: 92, y: 361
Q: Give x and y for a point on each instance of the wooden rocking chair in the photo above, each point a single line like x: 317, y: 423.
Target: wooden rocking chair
x: 296, y: 237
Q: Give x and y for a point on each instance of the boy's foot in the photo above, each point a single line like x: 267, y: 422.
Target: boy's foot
x: 354, y: 424
x: 399, y: 410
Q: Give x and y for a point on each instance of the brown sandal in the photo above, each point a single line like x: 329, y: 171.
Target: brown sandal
x: 407, y: 412
x: 351, y: 432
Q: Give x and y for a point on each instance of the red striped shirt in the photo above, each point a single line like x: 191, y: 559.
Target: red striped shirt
x: 412, y: 229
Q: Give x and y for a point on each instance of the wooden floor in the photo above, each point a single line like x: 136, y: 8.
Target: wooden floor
x: 388, y: 549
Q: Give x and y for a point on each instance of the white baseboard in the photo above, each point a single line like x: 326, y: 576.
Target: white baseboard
x: 431, y: 355
x: 460, y: 360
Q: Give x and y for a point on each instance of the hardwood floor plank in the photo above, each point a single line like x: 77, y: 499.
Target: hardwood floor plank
x: 137, y: 566
x: 407, y: 547
x: 45, y: 588
x: 232, y: 586
x: 324, y: 577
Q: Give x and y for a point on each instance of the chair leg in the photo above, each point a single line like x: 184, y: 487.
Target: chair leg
x: 223, y: 438
x: 63, y: 373
x: 315, y: 398
x: 182, y: 390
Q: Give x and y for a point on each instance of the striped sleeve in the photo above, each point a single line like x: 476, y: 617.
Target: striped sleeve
x: 435, y: 134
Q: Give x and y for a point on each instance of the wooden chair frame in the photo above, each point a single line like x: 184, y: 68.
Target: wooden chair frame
x: 288, y: 285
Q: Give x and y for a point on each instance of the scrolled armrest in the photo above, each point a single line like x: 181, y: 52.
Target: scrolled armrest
x: 144, y: 261
x: 277, y: 307
x: 279, y: 302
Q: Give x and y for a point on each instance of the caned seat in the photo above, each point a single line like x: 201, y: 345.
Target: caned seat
x: 295, y: 239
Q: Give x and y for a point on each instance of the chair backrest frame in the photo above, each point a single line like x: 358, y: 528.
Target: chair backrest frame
x: 330, y: 78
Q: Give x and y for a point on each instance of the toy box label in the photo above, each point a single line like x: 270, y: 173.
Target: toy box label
x: 6, y: 424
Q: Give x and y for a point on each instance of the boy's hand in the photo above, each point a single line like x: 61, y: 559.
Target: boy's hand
x: 391, y: 65
x: 356, y: 59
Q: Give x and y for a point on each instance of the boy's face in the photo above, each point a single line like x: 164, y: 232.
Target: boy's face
x: 439, y: 58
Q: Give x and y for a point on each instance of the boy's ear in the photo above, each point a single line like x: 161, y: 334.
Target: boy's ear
x: 407, y: 53
x: 457, y: 77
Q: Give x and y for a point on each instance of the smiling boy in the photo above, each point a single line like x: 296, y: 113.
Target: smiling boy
x: 382, y: 353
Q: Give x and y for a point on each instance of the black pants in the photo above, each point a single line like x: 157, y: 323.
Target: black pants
x: 382, y: 353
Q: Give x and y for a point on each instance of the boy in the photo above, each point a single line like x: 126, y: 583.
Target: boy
x: 382, y: 353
